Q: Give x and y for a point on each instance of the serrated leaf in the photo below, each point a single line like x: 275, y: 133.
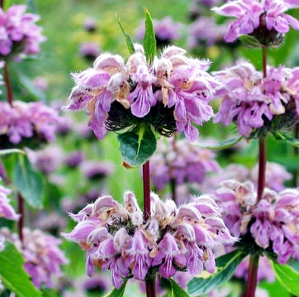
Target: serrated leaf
x: 286, y: 138
x: 226, y: 266
x: 11, y: 151
x: 149, y: 42
x: 118, y: 292
x: 176, y: 290
x: 13, y: 274
x: 222, y: 144
x: 250, y: 41
x: 287, y: 276
x: 129, y: 42
x: 28, y: 182
x: 138, y: 145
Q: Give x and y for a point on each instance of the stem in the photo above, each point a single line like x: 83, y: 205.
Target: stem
x: 150, y: 287
x: 264, y: 49
x: 8, y: 85
x: 146, y: 191
x: 21, y: 211
x: 173, y: 189
x: 296, y: 153
x: 1, y: 4
x: 252, y: 276
x: 262, y: 168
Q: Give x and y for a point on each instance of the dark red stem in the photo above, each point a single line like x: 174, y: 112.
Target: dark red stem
x: 173, y: 190
x: 150, y: 287
x: 262, y: 168
x: 146, y: 191
x: 8, y: 85
x: 252, y: 276
x: 264, y: 49
x: 21, y: 211
x: 1, y: 3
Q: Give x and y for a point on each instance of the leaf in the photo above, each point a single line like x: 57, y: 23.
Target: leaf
x: 287, y: 276
x: 250, y: 41
x: 118, y: 292
x: 28, y: 182
x: 222, y: 144
x: 137, y: 145
x: 28, y: 86
x: 287, y: 139
x: 11, y: 151
x: 13, y: 274
x: 176, y: 290
x: 149, y: 42
x: 226, y: 266
x: 129, y: 42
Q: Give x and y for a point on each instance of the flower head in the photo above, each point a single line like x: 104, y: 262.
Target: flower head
x: 6, y: 210
x: 117, y: 237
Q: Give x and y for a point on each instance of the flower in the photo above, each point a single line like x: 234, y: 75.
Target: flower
x: 19, y: 33
x: 258, y: 18
x: 94, y: 170
x: 42, y: 255
x: 116, y: 237
x: 254, y: 103
x: 272, y: 221
x: 32, y: 120
x: 181, y: 162
x: 6, y: 210
x: 74, y: 159
x: 89, y: 50
x: 169, y: 94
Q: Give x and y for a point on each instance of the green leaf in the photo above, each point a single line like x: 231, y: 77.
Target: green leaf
x: 286, y: 138
x: 129, y: 42
x: 13, y: 275
x: 28, y: 86
x: 137, y: 145
x: 226, y: 266
x: 287, y: 276
x: 28, y: 182
x: 11, y: 151
x: 149, y: 42
x: 176, y: 290
x: 118, y: 292
x: 222, y: 144
x: 250, y: 41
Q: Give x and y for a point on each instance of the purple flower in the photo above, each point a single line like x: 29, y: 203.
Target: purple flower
x: 43, y: 257
x: 182, y: 163
x: 251, y: 102
x: 254, y: 14
x: 94, y: 170
x: 6, y: 210
x: 18, y: 27
x: 117, y: 238
x: 74, y: 159
x: 89, y: 50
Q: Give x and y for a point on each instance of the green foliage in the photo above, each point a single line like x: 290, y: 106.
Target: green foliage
x: 226, y: 266
x: 11, y: 151
x: 149, y: 42
x: 137, y: 145
x: 176, y: 290
x: 28, y: 182
x: 118, y: 293
x: 221, y: 144
x: 287, y: 276
x: 129, y: 42
x: 13, y: 275
x: 290, y: 140
x: 250, y: 41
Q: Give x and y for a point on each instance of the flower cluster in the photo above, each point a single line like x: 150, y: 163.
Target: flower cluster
x: 254, y: 103
x: 116, y: 237
x: 27, y: 120
x: 276, y: 176
x: 266, y: 19
x: 6, y: 210
x: 96, y: 170
x: 170, y: 94
x: 166, y: 31
x: 205, y: 32
x: 181, y: 162
x: 42, y: 255
x: 272, y: 222
x: 19, y: 33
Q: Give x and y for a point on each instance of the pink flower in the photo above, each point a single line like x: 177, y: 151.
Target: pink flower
x: 6, y: 210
